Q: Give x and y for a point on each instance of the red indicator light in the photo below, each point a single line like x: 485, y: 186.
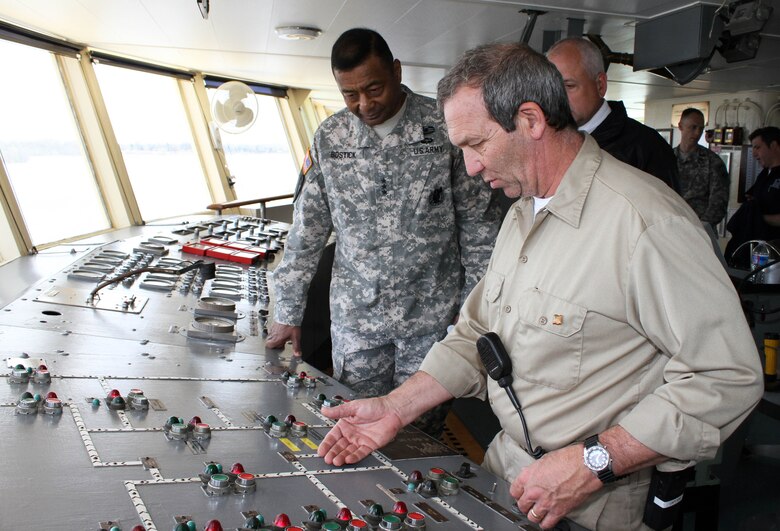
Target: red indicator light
x: 51, y: 394
x: 400, y: 508
x: 302, y: 374
x: 289, y: 419
x: 415, y: 476
x: 213, y: 525
x: 344, y: 515
x: 282, y: 520
x: 113, y: 394
x: 195, y: 420
x: 43, y: 368
x: 237, y: 468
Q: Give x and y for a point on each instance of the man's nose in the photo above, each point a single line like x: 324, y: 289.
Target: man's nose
x: 474, y: 165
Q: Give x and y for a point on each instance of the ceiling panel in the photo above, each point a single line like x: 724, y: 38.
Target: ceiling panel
x: 238, y: 39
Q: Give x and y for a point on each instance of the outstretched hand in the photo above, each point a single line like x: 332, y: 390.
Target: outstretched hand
x: 363, y: 426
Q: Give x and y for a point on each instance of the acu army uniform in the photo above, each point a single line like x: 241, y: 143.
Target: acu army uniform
x: 413, y: 235
x: 704, y: 183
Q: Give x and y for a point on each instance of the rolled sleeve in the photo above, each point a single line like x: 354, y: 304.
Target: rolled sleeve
x: 712, y: 379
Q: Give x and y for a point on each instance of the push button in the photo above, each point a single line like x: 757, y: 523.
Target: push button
x: 245, y: 483
x: 27, y: 404
x: 390, y: 523
x: 415, y: 521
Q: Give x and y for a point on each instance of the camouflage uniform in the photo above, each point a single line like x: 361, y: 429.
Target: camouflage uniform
x: 704, y: 183
x: 407, y: 220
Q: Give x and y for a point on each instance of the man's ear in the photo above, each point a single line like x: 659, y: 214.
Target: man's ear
x: 601, y: 83
x: 397, y: 70
x: 531, y: 117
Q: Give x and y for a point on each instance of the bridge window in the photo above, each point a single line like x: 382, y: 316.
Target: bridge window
x: 260, y: 159
x: 43, y: 154
x: 148, y: 118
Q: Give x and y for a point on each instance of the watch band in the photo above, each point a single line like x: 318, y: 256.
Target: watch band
x: 607, y: 475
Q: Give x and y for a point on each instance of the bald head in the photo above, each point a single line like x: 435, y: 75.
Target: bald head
x: 580, y: 63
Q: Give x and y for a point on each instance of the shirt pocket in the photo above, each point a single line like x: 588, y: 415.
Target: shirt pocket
x: 548, y: 340
x: 494, y: 284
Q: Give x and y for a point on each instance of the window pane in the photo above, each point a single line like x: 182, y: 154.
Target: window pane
x: 147, y: 114
x: 259, y: 158
x: 44, y: 155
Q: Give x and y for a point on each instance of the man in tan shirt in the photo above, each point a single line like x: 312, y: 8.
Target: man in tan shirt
x: 622, y: 327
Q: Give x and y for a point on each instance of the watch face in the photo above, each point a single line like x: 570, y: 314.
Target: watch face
x: 597, y: 458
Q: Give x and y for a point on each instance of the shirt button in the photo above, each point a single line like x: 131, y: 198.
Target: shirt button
x: 543, y: 321
x: 507, y: 308
x: 524, y: 259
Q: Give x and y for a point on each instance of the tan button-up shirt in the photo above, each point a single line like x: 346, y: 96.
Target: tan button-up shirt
x: 614, y: 310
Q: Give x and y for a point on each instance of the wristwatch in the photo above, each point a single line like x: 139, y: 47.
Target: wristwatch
x: 598, y: 460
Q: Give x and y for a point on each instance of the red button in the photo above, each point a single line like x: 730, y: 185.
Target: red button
x: 416, y: 516
x: 358, y: 523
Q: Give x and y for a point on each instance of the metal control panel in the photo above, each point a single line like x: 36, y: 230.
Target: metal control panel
x: 153, y: 404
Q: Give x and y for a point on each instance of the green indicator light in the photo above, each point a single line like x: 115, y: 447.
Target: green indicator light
x: 26, y: 394
x: 37, y: 397
x: 210, y: 469
x: 96, y: 402
x: 317, y: 516
x: 191, y: 525
x: 376, y: 510
x: 254, y: 522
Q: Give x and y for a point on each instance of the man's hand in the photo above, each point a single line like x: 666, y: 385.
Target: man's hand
x: 281, y: 333
x: 551, y: 487
x: 363, y: 426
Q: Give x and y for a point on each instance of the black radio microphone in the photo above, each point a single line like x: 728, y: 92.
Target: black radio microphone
x: 499, y: 367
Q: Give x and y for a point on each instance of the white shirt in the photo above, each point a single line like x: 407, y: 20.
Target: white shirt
x: 597, y: 118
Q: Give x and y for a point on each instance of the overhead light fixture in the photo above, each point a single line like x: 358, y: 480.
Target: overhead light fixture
x: 298, y: 33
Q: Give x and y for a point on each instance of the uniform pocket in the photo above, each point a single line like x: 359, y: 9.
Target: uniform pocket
x: 494, y: 285
x: 548, y: 340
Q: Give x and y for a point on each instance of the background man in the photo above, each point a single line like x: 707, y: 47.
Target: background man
x: 704, y: 180
x: 582, y: 67
x: 623, y: 328
x: 384, y: 178
x: 758, y: 218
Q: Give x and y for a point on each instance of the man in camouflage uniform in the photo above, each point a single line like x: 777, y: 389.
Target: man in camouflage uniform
x: 704, y: 181
x: 408, y: 221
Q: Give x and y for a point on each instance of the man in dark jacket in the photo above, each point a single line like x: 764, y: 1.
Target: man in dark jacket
x: 582, y: 66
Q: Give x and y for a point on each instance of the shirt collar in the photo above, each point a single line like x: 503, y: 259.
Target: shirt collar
x: 597, y: 118
x: 573, y: 189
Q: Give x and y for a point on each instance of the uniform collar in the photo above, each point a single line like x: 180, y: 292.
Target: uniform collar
x: 573, y: 189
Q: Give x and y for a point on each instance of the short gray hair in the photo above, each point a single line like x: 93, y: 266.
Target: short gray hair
x: 510, y: 75
x: 590, y: 54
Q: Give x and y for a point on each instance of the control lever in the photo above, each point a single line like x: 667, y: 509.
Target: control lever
x: 499, y: 367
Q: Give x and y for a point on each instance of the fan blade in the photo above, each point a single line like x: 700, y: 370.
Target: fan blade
x: 245, y: 117
x: 223, y: 113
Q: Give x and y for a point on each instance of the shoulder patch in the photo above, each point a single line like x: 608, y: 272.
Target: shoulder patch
x: 307, y: 163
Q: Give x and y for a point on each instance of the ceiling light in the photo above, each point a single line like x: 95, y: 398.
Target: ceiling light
x: 298, y: 33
